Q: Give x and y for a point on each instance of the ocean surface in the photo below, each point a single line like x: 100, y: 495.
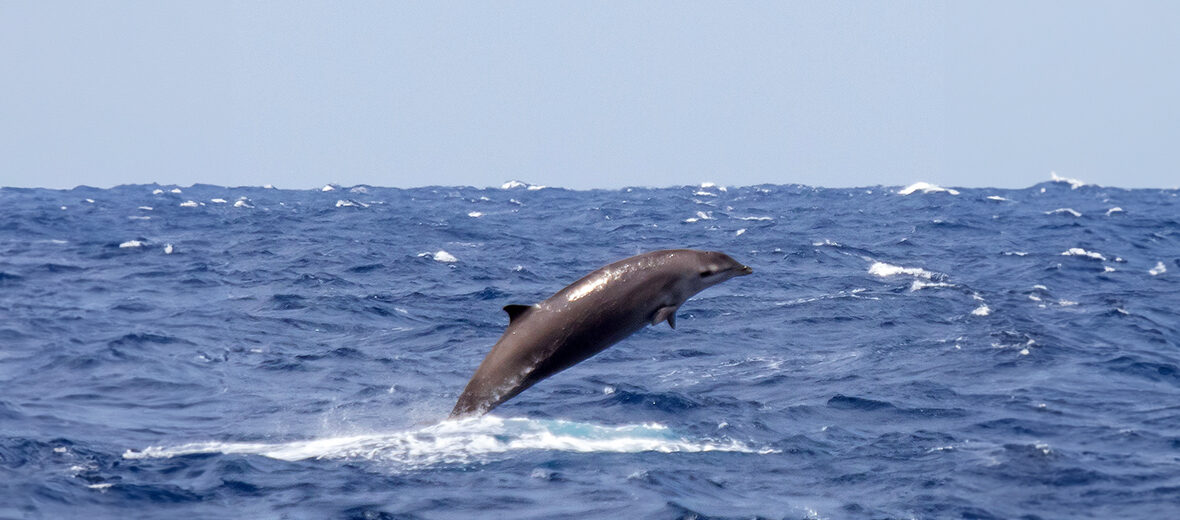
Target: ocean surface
x: 899, y: 352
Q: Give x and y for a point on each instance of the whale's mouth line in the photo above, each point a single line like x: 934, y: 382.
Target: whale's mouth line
x: 745, y: 270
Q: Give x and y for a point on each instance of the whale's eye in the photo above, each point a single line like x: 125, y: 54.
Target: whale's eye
x: 706, y: 273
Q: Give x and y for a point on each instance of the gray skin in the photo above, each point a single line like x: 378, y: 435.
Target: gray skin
x: 590, y: 315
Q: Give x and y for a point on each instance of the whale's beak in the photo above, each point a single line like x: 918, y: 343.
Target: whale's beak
x: 745, y: 270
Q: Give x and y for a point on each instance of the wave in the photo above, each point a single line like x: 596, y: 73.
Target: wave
x: 464, y: 441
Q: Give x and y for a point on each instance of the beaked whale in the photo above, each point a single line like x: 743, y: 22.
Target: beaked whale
x: 590, y: 315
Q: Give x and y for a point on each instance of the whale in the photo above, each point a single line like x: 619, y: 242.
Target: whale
x: 585, y: 318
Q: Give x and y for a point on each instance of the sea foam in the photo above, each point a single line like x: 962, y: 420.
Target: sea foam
x: 1077, y: 251
x: 883, y: 270
x: 466, y: 441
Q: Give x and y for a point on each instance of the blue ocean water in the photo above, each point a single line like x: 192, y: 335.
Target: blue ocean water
x: 212, y: 352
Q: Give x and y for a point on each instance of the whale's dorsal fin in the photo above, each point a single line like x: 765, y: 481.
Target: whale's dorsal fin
x: 667, y: 312
x: 516, y: 311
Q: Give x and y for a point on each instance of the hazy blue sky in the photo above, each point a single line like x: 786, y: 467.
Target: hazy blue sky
x: 588, y: 94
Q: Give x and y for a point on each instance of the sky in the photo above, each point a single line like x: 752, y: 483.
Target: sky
x: 589, y: 94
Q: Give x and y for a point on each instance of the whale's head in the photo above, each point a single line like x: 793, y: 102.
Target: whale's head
x: 700, y: 270
x: 714, y: 267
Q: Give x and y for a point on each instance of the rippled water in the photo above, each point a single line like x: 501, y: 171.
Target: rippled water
x: 210, y: 352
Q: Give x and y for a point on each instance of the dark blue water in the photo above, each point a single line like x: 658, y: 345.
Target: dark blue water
x: 980, y: 354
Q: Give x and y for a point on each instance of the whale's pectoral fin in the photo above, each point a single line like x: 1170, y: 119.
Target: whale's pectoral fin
x: 667, y: 312
x: 516, y: 311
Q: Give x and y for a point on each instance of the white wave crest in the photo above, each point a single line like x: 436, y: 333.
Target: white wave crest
x: 1073, y: 183
x: 441, y: 256
x: 883, y: 270
x: 513, y: 184
x: 1077, y: 251
x: 466, y: 441
x: 1159, y: 269
x: 918, y: 285
x: 925, y: 187
x: 1060, y: 211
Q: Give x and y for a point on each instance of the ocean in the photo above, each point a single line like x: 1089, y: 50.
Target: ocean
x: 899, y: 352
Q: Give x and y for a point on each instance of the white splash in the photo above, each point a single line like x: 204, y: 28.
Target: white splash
x: 1159, y: 269
x: 1060, y: 211
x: 758, y: 218
x: 1077, y: 251
x: 925, y: 187
x: 242, y: 203
x: 513, y: 184
x: 883, y: 270
x: 997, y: 198
x: 1073, y: 183
x: 465, y: 441
x: 739, y: 232
x: 218, y: 201
x: 536, y: 188
x: 443, y: 256
x: 189, y: 204
x: 145, y: 208
x: 168, y: 249
x: 130, y: 244
x: 982, y: 310
x: 475, y: 214
x: 342, y: 203
x: 701, y: 215
x: 157, y: 191
x: 175, y: 190
x: 1113, y: 210
x: 328, y: 187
